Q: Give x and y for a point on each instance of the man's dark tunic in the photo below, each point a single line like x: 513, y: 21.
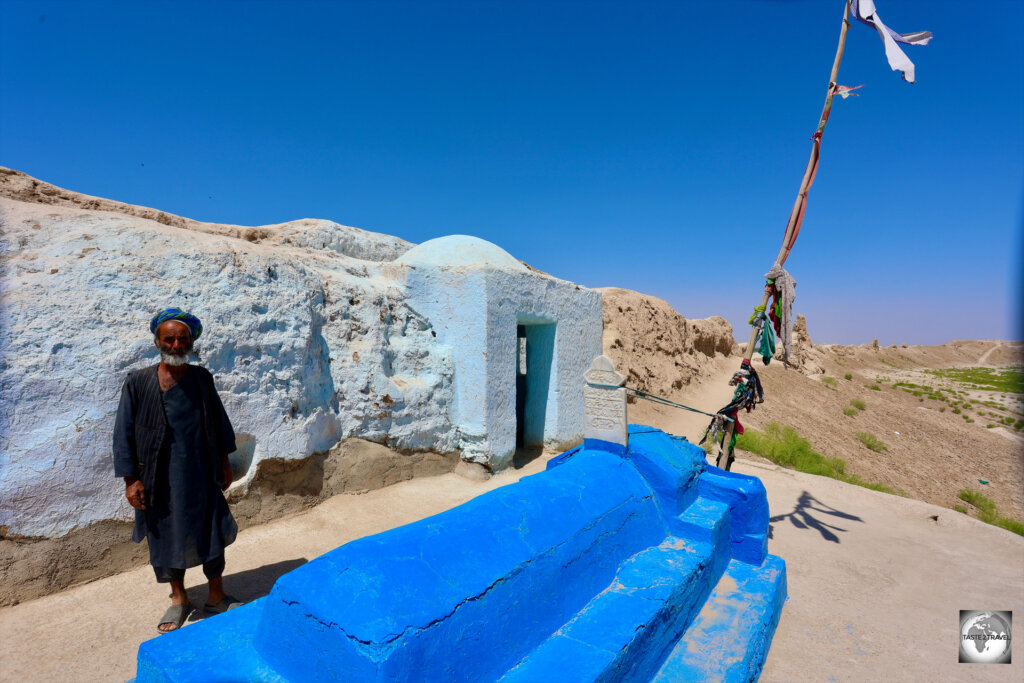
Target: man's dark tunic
x: 163, y: 439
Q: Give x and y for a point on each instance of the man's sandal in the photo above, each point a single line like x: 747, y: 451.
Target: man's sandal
x: 223, y: 606
x: 175, y: 614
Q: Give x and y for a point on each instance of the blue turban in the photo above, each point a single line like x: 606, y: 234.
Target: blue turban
x: 194, y: 326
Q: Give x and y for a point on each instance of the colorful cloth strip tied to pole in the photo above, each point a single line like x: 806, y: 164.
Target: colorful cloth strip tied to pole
x: 749, y: 392
x: 765, y: 338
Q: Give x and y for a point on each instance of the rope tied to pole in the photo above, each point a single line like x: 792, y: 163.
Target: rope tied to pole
x: 638, y: 393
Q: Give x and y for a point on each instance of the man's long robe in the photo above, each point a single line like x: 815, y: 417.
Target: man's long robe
x: 164, y: 439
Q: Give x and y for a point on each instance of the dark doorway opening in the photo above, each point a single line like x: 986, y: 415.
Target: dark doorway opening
x: 535, y: 350
x: 520, y: 384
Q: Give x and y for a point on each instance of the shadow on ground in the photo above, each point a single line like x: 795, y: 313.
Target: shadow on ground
x: 246, y: 586
x: 802, y: 518
x: 525, y: 455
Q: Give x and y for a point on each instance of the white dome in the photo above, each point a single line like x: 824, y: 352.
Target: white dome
x: 460, y: 250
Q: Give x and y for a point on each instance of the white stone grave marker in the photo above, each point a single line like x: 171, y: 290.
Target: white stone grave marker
x: 604, y: 407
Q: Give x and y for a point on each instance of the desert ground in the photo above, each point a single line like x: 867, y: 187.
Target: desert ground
x: 875, y: 582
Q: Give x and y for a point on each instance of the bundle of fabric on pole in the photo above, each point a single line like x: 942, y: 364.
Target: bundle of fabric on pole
x: 749, y: 392
x: 764, y: 339
x: 783, y: 289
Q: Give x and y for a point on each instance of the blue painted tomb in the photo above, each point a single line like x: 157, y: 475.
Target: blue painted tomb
x: 645, y: 566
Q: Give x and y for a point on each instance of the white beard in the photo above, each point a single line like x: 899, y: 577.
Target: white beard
x: 174, y: 361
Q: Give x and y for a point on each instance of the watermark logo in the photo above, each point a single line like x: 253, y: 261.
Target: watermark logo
x: 985, y: 637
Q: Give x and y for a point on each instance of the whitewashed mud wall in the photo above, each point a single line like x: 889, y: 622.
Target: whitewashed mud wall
x: 477, y: 311
x: 308, y: 344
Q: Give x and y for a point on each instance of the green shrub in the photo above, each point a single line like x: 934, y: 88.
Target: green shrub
x: 942, y: 409
x: 956, y: 411
x: 847, y: 376
x: 988, y: 513
x: 960, y: 508
x: 849, y: 410
x: 857, y: 481
x: 1010, y: 380
x: 978, y: 500
x: 858, y: 404
x: 872, y: 441
x: 1010, y: 525
x: 783, y: 446
x: 830, y: 382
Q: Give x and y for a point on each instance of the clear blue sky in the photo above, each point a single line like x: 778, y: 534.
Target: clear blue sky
x: 656, y: 146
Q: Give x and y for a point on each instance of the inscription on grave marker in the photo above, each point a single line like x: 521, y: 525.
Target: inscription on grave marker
x: 604, y: 406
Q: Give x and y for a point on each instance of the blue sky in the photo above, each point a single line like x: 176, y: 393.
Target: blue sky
x: 656, y: 146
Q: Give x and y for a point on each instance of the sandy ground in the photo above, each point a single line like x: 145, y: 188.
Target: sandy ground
x: 92, y: 632
x: 933, y: 453
x: 876, y: 582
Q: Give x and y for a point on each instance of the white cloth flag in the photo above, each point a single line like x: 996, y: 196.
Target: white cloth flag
x: 865, y: 12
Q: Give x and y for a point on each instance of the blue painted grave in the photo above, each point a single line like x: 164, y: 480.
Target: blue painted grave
x: 636, y: 566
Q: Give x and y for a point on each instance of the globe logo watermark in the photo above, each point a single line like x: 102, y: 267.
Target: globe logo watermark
x: 985, y: 637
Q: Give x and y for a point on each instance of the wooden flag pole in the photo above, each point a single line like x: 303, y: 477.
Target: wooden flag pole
x: 795, y: 217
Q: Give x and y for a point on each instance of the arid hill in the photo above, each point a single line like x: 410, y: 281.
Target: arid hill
x: 941, y: 436
x: 658, y: 350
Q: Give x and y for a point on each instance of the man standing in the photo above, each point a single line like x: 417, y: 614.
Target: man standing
x: 171, y: 443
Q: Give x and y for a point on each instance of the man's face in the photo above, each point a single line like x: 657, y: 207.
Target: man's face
x: 174, y: 340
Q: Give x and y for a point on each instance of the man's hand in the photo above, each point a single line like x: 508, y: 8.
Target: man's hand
x: 228, y: 475
x: 135, y: 492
